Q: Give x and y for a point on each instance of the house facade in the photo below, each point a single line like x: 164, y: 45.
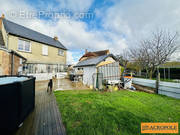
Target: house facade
x: 44, y: 54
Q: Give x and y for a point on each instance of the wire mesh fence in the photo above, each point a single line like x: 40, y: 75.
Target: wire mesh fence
x: 97, y: 80
x: 105, y: 73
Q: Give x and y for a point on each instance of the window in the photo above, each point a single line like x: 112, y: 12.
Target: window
x: 44, y: 50
x: 61, y: 52
x: 30, y: 68
x: 24, y: 45
x: 49, y: 69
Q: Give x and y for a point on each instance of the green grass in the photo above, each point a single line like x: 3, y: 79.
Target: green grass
x: 116, y: 113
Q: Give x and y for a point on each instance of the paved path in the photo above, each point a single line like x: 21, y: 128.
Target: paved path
x: 66, y: 84
x: 45, y: 119
x: 62, y: 84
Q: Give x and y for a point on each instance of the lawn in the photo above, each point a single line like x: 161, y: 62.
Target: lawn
x: 116, y: 113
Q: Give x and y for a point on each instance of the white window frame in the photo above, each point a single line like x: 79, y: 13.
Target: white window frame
x: 45, y: 50
x: 61, y: 54
x: 20, y: 61
x: 24, y: 44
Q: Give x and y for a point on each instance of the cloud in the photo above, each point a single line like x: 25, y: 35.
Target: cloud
x: 75, y: 5
x: 136, y: 19
x: 74, y: 34
x: 122, y: 24
x: 14, y: 5
x: 70, y: 59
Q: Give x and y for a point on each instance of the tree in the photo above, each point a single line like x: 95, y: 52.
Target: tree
x: 155, y: 50
x: 123, y: 58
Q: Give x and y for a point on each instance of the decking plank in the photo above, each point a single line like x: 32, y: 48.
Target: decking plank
x: 59, y: 120
x: 58, y: 128
x: 45, y: 119
x: 37, y: 120
x: 55, y: 128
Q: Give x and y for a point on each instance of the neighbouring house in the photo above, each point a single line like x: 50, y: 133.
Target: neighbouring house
x: 44, y: 54
x: 11, y: 63
x: 100, y: 62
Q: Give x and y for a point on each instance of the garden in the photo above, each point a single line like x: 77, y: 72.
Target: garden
x: 87, y: 112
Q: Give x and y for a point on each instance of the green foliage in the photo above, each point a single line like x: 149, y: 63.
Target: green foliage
x: 133, y: 66
x: 122, y: 69
x: 174, y: 63
x: 113, y: 113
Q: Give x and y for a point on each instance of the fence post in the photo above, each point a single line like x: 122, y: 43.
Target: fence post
x: 157, y: 82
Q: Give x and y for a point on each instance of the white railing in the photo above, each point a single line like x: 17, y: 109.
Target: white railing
x: 165, y: 88
x: 47, y: 76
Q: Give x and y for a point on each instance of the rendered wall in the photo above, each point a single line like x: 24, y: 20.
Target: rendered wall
x: 88, y: 75
x: 4, y: 34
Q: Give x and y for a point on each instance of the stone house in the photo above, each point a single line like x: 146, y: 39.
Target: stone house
x: 44, y: 54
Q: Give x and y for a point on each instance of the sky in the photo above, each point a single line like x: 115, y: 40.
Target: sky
x: 95, y: 24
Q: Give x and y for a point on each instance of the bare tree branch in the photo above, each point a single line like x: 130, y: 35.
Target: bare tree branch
x: 156, y: 50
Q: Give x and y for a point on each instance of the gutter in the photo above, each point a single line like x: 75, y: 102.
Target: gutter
x: 12, y: 63
x: 17, y: 54
x: 85, y: 65
x: 7, y: 40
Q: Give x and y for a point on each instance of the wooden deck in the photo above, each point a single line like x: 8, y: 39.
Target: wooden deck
x: 45, y: 119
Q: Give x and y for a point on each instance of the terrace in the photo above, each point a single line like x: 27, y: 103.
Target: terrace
x: 46, y: 118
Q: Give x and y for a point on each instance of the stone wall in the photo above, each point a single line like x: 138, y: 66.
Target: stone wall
x: 16, y: 64
x: 6, y: 61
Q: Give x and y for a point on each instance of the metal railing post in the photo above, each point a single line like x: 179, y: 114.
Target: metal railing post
x: 157, y: 81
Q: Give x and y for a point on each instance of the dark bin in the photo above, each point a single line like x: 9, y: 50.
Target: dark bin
x: 17, y: 100
x: 71, y: 77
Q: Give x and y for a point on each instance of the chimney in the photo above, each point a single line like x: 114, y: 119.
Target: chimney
x: 1, y: 18
x: 56, y: 38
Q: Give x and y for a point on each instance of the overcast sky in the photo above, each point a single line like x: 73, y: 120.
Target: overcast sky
x: 94, y: 24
